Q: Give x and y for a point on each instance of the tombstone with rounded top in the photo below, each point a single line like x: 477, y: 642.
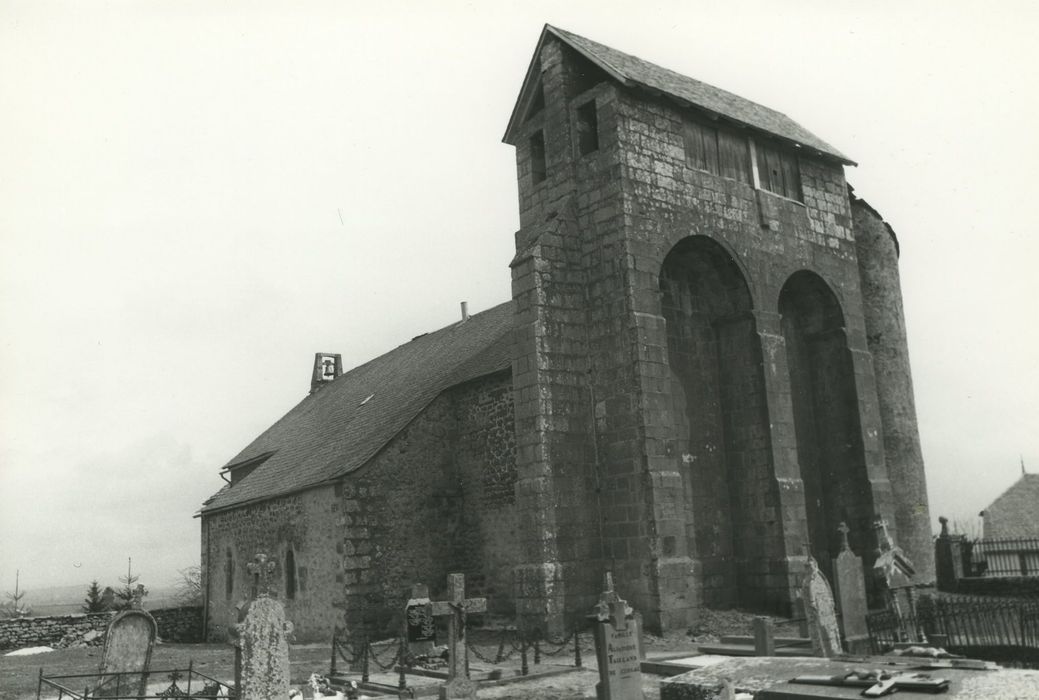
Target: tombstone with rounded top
x: 128, y: 651
x: 820, y: 611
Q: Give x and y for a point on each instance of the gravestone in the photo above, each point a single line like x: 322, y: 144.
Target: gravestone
x: 895, y: 579
x: 618, y: 642
x: 456, y: 607
x: 850, y: 583
x: 820, y: 611
x: 128, y: 651
x: 419, y: 623
x: 262, y: 638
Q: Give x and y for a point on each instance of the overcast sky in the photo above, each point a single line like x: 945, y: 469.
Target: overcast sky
x: 195, y: 197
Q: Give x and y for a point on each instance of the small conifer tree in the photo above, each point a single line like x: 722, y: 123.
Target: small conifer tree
x: 94, y: 602
x: 126, y: 593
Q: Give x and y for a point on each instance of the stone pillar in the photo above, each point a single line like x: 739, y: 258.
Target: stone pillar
x: 786, y: 491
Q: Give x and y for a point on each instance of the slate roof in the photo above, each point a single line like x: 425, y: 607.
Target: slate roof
x: 1016, y: 512
x: 335, y: 430
x: 633, y: 72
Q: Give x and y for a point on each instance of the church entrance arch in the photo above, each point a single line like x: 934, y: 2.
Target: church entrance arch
x: 826, y: 416
x: 719, y: 413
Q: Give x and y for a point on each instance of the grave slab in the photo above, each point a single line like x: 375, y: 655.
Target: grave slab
x: 768, y: 678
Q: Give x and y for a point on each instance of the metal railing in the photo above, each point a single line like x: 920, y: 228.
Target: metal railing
x: 1006, y: 631
x: 182, y: 683
x: 1017, y: 556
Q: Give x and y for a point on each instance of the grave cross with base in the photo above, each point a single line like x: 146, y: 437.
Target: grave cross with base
x: 262, y: 659
x: 456, y: 607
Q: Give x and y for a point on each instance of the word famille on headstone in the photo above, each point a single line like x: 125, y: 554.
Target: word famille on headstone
x: 455, y: 608
x: 618, y: 647
x: 128, y: 652
x: 261, y: 637
x: 850, y: 585
x: 820, y: 611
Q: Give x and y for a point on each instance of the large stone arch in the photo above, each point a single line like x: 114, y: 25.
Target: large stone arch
x: 720, y: 415
x: 827, y: 421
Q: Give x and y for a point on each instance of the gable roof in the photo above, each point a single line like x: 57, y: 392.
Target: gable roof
x: 343, y: 425
x: 633, y: 72
x: 1013, y: 514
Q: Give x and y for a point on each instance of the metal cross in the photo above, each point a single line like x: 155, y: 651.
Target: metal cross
x: 261, y: 570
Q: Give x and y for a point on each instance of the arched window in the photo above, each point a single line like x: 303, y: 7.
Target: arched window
x: 229, y: 574
x: 290, y: 575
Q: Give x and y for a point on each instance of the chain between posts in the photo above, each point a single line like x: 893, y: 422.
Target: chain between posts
x: 374, y: 656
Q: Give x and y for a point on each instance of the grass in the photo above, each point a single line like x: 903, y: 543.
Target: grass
x: 18, y: 674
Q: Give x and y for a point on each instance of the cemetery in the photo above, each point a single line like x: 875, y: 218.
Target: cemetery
x: 836, y: 649
x: 697, y: 402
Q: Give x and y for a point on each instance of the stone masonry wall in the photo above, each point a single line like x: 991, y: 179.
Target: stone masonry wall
x: 439, y: 498
x: 182, y: 625
x: 308, y: 523
x: 768, y: 238
x: 58, y: 632
x: 597, y: 225
x: 486, y: 462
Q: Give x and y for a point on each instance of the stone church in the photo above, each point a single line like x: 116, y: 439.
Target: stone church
x: 701, y: 373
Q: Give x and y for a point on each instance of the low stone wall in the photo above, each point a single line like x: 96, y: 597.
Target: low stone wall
x: 182, y: 625
x: 59, y: 631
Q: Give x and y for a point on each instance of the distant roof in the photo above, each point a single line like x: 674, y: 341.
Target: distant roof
x: 633, y: 72
x: 1016, y: 512
x: 342, y: 426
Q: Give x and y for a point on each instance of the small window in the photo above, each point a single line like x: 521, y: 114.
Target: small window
x: 538, y: 102
x: 778, y: 171
x: 716, y: 151
x: 229, y: 575
x: 290, y: 575
x: 538, y: 170
x: 587, y: 128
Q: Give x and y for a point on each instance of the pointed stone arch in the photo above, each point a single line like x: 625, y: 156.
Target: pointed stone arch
x: 827, y: 422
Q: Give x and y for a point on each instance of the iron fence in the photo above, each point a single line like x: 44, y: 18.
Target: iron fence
x: 1005, y: 557
x: 1005, y: 631
x: 177, y: 683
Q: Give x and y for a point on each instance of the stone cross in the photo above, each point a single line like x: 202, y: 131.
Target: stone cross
x: 844, y: 530
x: 617, y: 647
x: 261, y: 570
x: 883, y: 537
x: 262, y: 636
x: 455, y: 608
